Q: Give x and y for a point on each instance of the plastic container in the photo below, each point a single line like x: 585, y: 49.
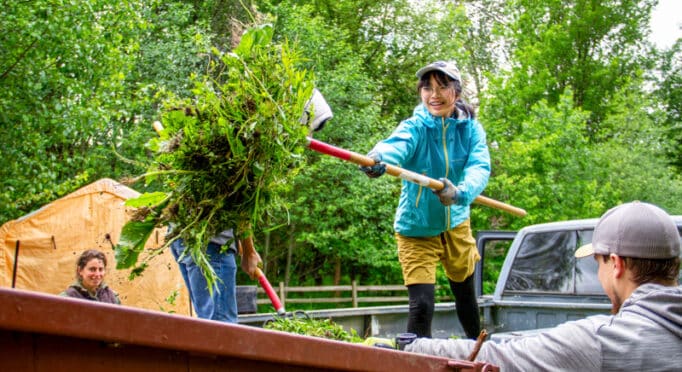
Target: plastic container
x: 246, y: 299
x: 404, y: 339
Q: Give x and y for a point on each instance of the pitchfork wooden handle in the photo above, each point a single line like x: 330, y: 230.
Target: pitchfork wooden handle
x: 405, y: 174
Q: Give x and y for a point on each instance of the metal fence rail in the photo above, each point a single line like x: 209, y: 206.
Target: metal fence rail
x: 354, y: 294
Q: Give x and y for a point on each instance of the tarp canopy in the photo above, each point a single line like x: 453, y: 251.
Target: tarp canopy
x: 46, y: 243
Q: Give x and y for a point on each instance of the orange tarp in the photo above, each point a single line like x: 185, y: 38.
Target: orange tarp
x: 51, y: 239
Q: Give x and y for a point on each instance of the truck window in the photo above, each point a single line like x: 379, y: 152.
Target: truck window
x: 495, y: 252
x: 679, y: 229
x: 586, y: 280
x: 546, y: 263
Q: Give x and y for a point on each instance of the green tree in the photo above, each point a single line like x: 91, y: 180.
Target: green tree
x: 83, y: 80
x: 572, y: 126
x: 324, y: 211
x: 668, y: 95
x: 364, y: 56
x: 63, y: 69
x: 593, y: 48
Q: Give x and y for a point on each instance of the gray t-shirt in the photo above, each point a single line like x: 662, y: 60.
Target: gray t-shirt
x: 226, y: 237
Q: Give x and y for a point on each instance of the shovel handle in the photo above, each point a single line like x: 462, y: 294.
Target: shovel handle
x: 265, y: 284
x: 405, y: 174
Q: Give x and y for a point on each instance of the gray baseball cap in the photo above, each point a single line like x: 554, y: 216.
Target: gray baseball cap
x: 448, y: 68
x: 635, y: 229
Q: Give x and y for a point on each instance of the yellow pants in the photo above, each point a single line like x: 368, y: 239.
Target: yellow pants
x: 455, y: 249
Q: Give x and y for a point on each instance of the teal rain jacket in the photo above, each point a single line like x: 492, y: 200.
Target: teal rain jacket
x: 436, y: 147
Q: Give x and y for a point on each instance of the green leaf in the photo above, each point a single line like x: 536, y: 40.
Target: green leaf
x: 138, y: 270
x: 134, y: 235
x: 147, y: 200
x: 256, y: 36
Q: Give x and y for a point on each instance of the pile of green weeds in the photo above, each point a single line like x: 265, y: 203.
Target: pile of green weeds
x: 222, y: 153
x: 301, y: 324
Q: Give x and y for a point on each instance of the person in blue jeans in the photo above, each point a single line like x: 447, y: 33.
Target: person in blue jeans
x: 222, y: 304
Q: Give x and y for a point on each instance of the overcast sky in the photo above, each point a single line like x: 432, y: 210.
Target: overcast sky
x: 666, y: 21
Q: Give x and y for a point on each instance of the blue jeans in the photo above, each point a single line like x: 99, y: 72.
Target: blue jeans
x: 222, y: 305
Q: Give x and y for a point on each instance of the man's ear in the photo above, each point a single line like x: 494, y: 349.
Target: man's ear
x: 618, y: 265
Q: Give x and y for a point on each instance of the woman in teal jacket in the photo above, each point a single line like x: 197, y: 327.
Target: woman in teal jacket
x: 441, y: 140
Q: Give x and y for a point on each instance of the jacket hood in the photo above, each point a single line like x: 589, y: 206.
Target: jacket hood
x: 659, y: 303
x: 429, y: 120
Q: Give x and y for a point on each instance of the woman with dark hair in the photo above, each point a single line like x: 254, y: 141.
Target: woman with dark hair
x: 90, y: 270
x: 441, y: 140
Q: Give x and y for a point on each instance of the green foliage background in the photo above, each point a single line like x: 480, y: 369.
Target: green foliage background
x: 581, y: 111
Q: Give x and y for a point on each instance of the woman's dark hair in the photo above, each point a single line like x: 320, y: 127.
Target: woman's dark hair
x: 88, y: 255
x: 445, y: 80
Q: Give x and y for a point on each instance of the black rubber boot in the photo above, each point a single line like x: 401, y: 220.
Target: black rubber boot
x: 467, y: 306
x: 422, y: 298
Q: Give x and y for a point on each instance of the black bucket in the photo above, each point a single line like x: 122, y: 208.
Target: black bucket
x: 246, y: 299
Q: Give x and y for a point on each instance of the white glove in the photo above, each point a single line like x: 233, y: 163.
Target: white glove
x: 321, y: 111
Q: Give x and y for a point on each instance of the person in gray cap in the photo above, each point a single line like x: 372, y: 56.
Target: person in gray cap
x: 637, y: 248
x: 441, y: 140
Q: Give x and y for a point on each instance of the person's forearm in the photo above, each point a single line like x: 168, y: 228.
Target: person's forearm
x: 247, y: 247
x: 250, y: 257
x: 454, y: 349
x: 571, y: 346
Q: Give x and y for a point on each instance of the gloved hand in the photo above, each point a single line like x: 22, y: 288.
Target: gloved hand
x: 386, y: 343
x: 375, y: 170
x: 321, y: 111
x: 448, y: 194
x: 397, y: 343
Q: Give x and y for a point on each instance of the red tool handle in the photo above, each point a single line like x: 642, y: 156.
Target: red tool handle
x: 405, y: 174
x: 265, y: 284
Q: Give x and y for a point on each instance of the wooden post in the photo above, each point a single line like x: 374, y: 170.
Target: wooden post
x: 282, y: 294
x: 354, y: 292
x: 16, y: 264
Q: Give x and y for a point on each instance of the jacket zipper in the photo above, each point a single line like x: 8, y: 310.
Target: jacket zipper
x: 447, y: 168
x: 419, y: 194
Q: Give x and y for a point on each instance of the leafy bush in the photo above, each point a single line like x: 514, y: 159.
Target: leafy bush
x: 222, y: 153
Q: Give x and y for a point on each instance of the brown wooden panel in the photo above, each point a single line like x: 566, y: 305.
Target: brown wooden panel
x: 41, y: 332
x: 34, y: 352
x: 16, y: 351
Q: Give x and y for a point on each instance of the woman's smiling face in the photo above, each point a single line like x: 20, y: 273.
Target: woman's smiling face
x: 438, y: 98
x: 92, y: 274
